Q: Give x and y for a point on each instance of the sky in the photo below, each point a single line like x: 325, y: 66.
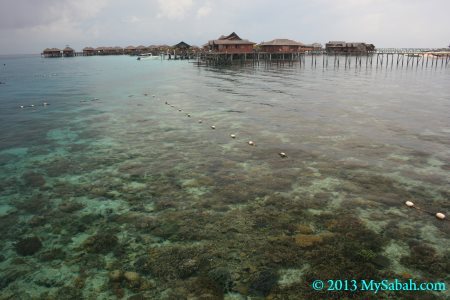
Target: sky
x: 29, y: 26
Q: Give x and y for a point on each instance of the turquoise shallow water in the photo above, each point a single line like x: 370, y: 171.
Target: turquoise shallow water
x: 108, y: 192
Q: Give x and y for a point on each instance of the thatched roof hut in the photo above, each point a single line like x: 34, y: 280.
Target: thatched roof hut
x: 181, y: 45
x: 118, y: 50
x: 141, y: 49
x: 88, y: 51
x: 130, y: 50
x: 52, y: 52
x: 68, y: 52
x: 100, y: 50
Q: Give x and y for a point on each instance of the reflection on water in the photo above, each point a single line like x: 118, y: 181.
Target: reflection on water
x: 109, y: 192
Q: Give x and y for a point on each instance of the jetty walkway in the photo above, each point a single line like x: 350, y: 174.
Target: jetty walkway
x: 383, y: 57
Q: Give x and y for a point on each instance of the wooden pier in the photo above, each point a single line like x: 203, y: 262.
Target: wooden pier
x: 399, y: 58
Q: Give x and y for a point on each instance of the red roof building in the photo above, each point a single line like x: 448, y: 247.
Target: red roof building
x: 229, y: 44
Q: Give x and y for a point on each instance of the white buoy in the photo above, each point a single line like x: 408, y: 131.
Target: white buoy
x: 21, y: 106
x: 213, y: 127
x: 32, y: 105
x: 233, y: 136
x: 409, y: 204
x: 440, y: 216
x: 45, y: 103
x: 200, y: 121
x: 282, y: 154
x: 251, y: 143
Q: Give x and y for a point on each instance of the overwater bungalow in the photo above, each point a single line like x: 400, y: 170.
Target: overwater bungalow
x: 164, y: 48
x: 181, y: 46
x: 316, y: 46
x: 153, y: 49
x: 231, y: 43
x: 130, y: 50
x: 68, y: 52
x: 88, y: 51
x: 141, y: 49
x: 117, y: 50
x: 341, y: 47
x: 108, y: 51
x: 51, y: 52
x: 182, y: 49
x: 100, y: 50
x: 282, y: 46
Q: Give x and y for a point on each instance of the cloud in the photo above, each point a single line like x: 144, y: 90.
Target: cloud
x: 132, y: 20
x: 204, y: 11
x: 174, y: 9
x: 21, y: 14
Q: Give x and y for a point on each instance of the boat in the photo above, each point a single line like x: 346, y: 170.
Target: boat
x: 147, y: 56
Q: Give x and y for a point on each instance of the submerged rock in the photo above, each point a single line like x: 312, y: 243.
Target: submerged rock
x: 33, y: 179
x: 308, y: 240
x: 100, y: 243
x: 69, y: 207
x: 132, y: 278
x: 28, y: 246
x: 115, y: 275
x: 263, y: 283
x: 53, y: 254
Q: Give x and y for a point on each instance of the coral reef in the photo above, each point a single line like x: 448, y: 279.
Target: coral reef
x: 126, y: 198
x: 102, y: 243
x: 28, y: 246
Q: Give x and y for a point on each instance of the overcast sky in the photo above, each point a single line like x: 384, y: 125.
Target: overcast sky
x: 29, y: 26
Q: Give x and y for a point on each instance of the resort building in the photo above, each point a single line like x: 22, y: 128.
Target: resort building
x: 117, y: 50
x: 100, y: 50
x: 314, y: 46
x: 182, y: 49
x: 130, y: 50
x: 88, y: 51
x: 182, y: 46
x: 68, y: 52
x: 52, y: 52
x: 141, y: 49
x: 341, y: 47
x: 229, y: 44
x: 283, y: 46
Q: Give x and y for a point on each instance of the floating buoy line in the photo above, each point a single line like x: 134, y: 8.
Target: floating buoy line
x: 439, y: 215
x: 33, y: 105
x: 213, y: 127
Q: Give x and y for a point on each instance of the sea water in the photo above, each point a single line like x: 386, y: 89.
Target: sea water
x: 113, y: 184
